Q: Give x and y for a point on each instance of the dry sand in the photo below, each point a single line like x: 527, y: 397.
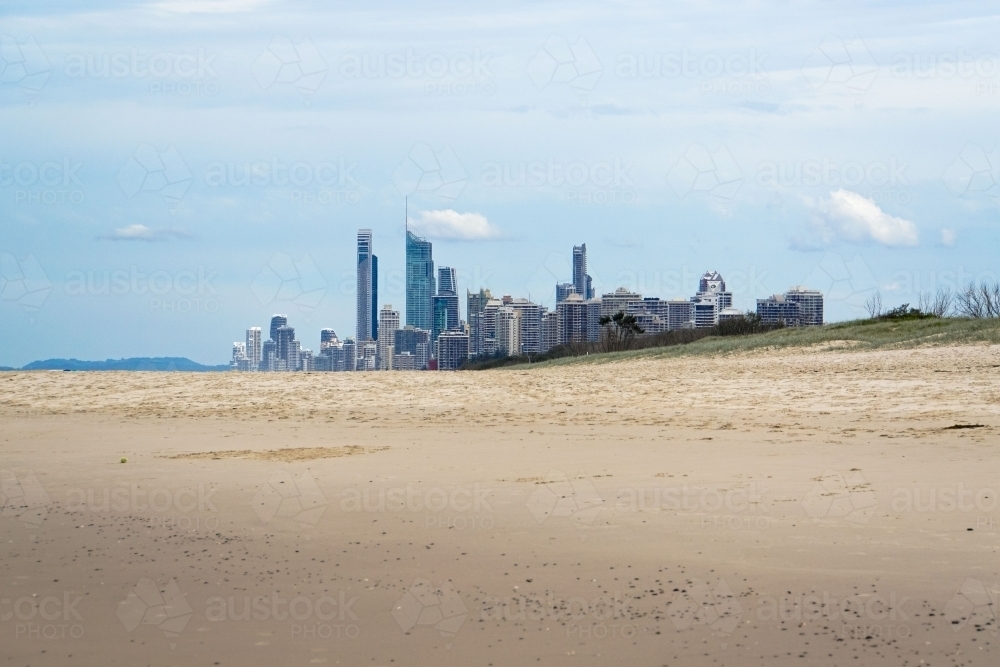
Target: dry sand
x: 804, y: 507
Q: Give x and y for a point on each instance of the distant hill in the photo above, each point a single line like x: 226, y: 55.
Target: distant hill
x: 133, y: 364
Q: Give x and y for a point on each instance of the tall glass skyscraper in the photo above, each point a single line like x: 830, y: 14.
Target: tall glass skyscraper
x: 374, y: 297
x: 581, y: 281
x: 446, y: 314
x: 419, y: 282
x: 366, y: 303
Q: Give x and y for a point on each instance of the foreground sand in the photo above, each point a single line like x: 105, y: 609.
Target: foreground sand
x: 776, y: 508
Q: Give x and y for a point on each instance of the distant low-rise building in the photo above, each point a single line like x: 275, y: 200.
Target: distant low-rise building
x: 796, y: 307
x: 407, y: 361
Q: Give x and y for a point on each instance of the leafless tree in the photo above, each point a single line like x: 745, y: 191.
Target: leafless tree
x: 943, y: 302
x: 978, y: 301
x: 938, y: 304
x: 874, y: 305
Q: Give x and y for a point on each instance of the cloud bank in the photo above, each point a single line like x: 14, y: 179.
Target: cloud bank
x: 849, y: 216
x: 450, y: 224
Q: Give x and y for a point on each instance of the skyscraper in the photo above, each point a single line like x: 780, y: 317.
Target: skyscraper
x: 374, y: 297
x: 581, y: 280
x: 419, y: 282
x: 365, y: 304
x: 277, y: 321
x: 447, y: 282
x: 253, y: 347
x: 475, y: 303
x: 288, y: 350
x: 385, y: 346
x: 445, y: 303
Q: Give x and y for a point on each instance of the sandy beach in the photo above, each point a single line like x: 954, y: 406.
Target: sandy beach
x: 820, y: 507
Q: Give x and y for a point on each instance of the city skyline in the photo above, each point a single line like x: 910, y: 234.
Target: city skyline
x: 234, y: 188
x: 498, y: 325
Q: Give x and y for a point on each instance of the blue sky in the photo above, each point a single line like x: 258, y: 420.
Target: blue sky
x: 174, y: 172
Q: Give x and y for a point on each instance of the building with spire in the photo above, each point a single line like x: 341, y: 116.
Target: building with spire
x: 419, y: 282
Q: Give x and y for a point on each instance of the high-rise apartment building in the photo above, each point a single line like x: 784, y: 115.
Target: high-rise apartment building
x: 365, y: 319
x: 796, y: 307
x: 366, y: 356
x: 414, y: 341
x: 287, y: 348
x: 269, y: 355
x: 531, y: 326
x: 239, y: 361
x: 474, y: 305
x: 563, y: 290
x: 508, y: 331
x: 579, y: 320
x: 489, y: 318
x: 419, y: 282
x: 452, y: 350
x: 657, y: 315
x: 327, y: 338
x: 350, y: 354
x: 277, y: 321
x: 388, y: 324
x: 711, y: 299
x: 810, y: 304
x: 253, y: 348
x: 581, y: 279
x: 619, y: 301
x: 549, y: 330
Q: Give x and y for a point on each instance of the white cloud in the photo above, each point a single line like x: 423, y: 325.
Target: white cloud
x: 144, y: 233
x: 852, y: 217
x: 449, y: 224
x: 948, y: 237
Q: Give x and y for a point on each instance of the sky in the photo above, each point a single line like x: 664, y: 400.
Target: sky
x: 174, y: 172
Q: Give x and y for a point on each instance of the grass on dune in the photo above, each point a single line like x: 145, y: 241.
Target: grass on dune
x: 858, y: 335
